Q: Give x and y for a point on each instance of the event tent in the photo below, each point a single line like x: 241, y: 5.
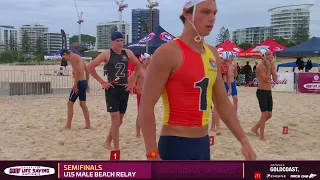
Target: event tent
x: 270, y: 44
x: 229, y: 46
x: 308, y: 48
x: 293, y: 65
x: 155, y: 39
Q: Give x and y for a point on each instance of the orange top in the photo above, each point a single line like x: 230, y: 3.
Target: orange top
x: 187, y: 96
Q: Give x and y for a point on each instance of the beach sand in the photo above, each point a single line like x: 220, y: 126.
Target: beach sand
x: 29, y: 129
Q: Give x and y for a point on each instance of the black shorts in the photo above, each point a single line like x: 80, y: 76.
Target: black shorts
x: 182, y: 148
x: 117, y: 99
x: 82, y: 94
x: 265, y: 100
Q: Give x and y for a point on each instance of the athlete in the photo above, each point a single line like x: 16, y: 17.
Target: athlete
x: 185, y: 72
x: 265, y: 69
x: 215, y: 123
x: 145, y: 58
x: 116, y: 92
x: 232, y: 74
x: 80, y: 87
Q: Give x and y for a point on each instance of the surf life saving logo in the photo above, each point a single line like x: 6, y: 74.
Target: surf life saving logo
x: 147, y: 38
x: 166, y: 37
x: 259, y: 48
x: 213, y: 63
x: 29, y: 171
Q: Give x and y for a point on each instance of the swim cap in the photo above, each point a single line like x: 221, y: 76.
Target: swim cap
x: 144, y: 56
x: 231, y: 54
x: 189, y: 3
x: 225, y: 55
x: 263, y: 51
x: 63, y: 51
x: 116, y: 35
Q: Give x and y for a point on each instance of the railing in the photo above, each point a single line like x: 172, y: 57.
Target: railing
x: 43, y: 84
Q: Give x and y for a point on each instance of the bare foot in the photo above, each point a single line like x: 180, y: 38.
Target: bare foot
x: 212, y: 129
x: 138, y: 136
x: 87, y: 127
x: 255, y: 132
x: 218, y: 133
x: 107, y: 145
x: 65, y: 128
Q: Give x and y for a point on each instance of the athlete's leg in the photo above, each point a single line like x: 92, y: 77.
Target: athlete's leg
x: 72, y: 98
x: 138, y: 131
x: 113, y: 108
x: 262, y: 98
x: 83, y: 97
x: 235, y: 96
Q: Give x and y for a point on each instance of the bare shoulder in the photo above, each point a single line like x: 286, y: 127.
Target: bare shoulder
x: 168, y: 53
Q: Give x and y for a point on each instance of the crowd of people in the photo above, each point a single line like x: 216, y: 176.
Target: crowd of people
x: 192, y: 80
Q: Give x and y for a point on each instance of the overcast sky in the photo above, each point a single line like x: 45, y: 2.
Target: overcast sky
x: 61, y: 14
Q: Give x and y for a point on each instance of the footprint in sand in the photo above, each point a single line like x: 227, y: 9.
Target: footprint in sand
x: 61, y: 143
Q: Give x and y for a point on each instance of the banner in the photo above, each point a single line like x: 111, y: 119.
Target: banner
x: 285, y: 82
x: 50, y: 170
x: 63, y: 40
x: 309, y: 83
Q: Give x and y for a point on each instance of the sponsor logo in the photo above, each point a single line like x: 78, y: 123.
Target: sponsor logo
x: 275, y: 176
x: 257, y: 175
x: 259, y: 48
x: 124, y: 58
x: 316, y: 77
x: 29, y: 171
x: 166, y: 37
x: 147, y: 38
x: 236, y: 49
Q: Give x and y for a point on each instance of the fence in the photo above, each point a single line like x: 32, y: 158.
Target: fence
x: 43, y: 84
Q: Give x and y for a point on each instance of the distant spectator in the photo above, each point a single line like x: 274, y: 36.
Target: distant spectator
x: 247, y: 70
x: 300, y: 63
x: 308, y: 66
x: 255, y: 67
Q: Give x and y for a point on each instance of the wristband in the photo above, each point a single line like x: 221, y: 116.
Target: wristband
x: 153, y: 154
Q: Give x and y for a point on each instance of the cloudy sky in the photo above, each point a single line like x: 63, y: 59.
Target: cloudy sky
x: 61, y: 14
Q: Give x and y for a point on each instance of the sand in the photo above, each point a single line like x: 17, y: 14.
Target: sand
x: 29, y: 129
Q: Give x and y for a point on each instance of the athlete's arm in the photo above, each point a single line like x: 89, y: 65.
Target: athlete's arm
x: 135, y: 61
x: 158, y: 72
x: 224, y: 106
x: 274, y: 73
x: 102, y: 57
x: 75, y: 68
x: 264, y: 76
x: 229, y: 76
x: 235, y: 69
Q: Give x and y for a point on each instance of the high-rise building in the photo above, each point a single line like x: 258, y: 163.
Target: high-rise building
x: 284, y: 18
x: 104, y: 31
x: 8, y: 38
x: 34, y: 32
x: 140, y: 22
x: 252, y: 35
x: 52, y: 42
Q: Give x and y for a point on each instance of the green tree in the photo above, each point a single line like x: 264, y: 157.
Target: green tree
x: 9, y: 56
x: 144, y: 30
x: 85, y: 38
x: 235, y: 39
x: 245, y: 45
x: 285, y: 42
x: 301, y: 31
x: 25, y: 43
x: 223, y: 36
x: 39, y: 46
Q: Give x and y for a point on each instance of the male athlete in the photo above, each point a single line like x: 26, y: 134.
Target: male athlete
x: 215, y: 123
x: 186, y: 73
x: 79, y: 88
x: 232, y: 87
x: 116, y: 92
x: 145, y: 58
x: 265, y: 69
